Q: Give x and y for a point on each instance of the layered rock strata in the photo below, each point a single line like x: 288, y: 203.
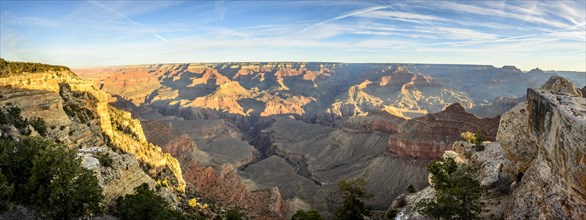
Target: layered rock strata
x: 537, y: 168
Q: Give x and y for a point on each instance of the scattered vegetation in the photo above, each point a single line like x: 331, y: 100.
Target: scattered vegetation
x: 392, y: 214
x: 75, y: 107
x: 235, y: 214
x: 49, y: 177
x: 411, y: 189
x: 39, y: 125
x: 477, y: 139
x: 6, y: 190
x: 104, y: 159
x: 468, y: 137
x: 478, y: 143
x: 306, y: 215
x: 354, y: 196
x: 8, y: 68
x: 121, y: 123
x: 457, y: 189
x: 152, y: 159
x: 145, y: 204
x: 11, y: 115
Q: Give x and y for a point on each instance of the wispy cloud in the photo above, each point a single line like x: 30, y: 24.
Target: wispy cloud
x: 34, y: 21
x: 220, y: 9
x: 141, y: 26
x: 349, y: 14
x: 402, y: 16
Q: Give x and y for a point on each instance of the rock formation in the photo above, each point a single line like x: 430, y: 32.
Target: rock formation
x: 428, y: 137
x: 78, y: 116
x: 536, y: 170
x: 554, y: 185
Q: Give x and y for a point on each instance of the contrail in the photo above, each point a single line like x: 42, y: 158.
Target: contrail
x: 128, y: 19
x: 353, y: 13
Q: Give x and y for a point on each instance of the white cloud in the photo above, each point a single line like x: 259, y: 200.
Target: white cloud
x: 128, y: 19
x: 34, y: 21
x: 403, y: 16
x: 349, y: 14
x: 219, y: 9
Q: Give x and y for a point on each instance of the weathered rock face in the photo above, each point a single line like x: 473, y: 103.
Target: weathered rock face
x: 542, y: 151
x: 78, y: 115
x: 490, y: 164
x: 224, y: 185
x: 518, y: 143
x: 209, y: 151
x: 118, y: 174
x: 428, y: 137
x: 557, y: 84
x: 554, y: 185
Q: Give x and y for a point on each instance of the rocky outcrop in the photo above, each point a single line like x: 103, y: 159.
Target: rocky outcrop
x: 118, y: 174
x: 223, y: 184
x: 78, y: 115
x: 557, y: 84
x: 554, y: 185
x: 515, y: 137
x: 490, y: 164
x: 536, y: 170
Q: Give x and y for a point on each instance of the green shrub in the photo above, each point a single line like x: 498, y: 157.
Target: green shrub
x: 479, y: 147
x: 49, y: 177
x: 411, y: 189
x: 6, y: 190
x: 354, y: 196
x: 480, y: 138
x: 458, y: 191
x: 104, y: 159
x: 16, y: 162
x: 144, y: 204
x: 235, y: 214
x: 8, y: 68
x: 11, y: 115
x: 40, y: 126
x: 61, y: 188
x: 306, y: 215
x: 392, y: 214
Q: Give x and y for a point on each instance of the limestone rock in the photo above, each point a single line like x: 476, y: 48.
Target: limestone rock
x: 78, y: 115
x: 515, y: 137
x: 118, y: 175
x: 406, y: 212
x: 555, y: 183
x: 558, y: 84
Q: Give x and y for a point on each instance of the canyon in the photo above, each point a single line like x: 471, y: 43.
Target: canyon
x: 273, y: 138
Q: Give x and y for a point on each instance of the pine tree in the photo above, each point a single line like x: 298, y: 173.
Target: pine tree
x: 457, y: 189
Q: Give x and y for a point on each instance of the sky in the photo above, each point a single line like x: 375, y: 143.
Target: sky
x: 550, y: 35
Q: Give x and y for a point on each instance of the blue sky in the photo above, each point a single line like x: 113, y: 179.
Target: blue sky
x: 528, y: 34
